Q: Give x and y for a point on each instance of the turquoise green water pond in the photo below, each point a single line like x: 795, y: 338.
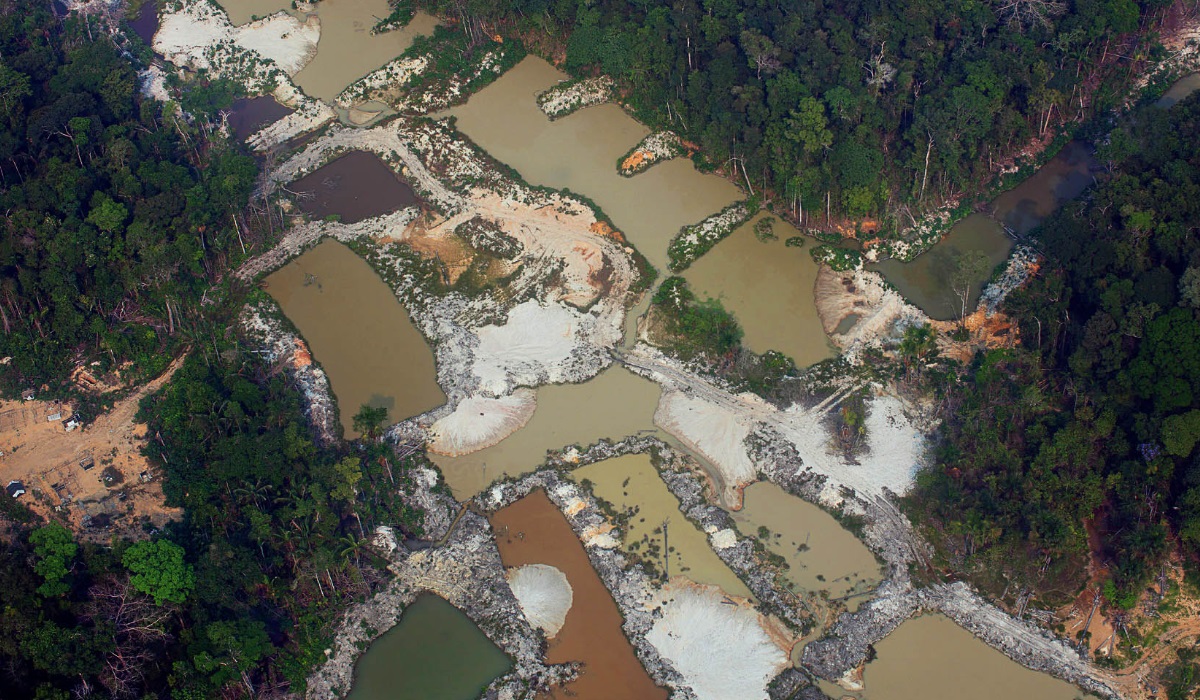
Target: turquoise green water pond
x: 435, y: 652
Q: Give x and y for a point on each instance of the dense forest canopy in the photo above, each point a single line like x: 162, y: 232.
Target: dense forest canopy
x: 1095, y: 420
x: 874, y: 105
x: 117, y: 212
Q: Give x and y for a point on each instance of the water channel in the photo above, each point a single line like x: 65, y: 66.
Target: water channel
x: 359, y: 332
x: 1182, y: 89
x: 929, y: 280
x: 434, y: 652
x: 534, y: 531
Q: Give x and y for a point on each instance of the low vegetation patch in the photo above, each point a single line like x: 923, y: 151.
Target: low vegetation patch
x: 695, y: 240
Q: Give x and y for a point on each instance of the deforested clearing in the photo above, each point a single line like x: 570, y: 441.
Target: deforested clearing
x: 192, y: 34
x: 544, y: 593
x: 721, y: 647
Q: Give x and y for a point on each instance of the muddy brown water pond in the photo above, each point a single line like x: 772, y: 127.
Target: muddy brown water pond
x: 243, y: 11
x: 249, y: 114
x: 146, y: 23
x: 580, y: 152
x: 1180, y: 91
x: 614, y: 404
x: 359, y: 332
x: 347, y: 50
x: 931, y: 658
x: 769, y: 289
x: 632, y: 484
x: 821, y: 555
x: 435, y: 652
x: 927, y: 281
x: 534, y: 531
x: 354, y: 187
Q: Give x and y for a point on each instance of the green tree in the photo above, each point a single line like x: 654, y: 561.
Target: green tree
x: 369, y: 420
x: 1181, y: 432
x: 158, y: 570
x: 55, y: 548
x: 809, y: 127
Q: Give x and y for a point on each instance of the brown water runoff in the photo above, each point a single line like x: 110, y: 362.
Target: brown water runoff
x: 359, y: 333
x: 354, y: 187
x: 931, y: 658
x: 614, y: 404
x: 534, y: 531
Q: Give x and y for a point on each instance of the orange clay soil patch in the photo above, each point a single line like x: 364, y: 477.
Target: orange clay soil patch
x: 600, y: 228
x: 49, y: 459
x: 533, y: 531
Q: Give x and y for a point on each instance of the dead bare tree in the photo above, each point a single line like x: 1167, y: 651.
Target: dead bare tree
x: 1024, y: 14
x: 137, y: 624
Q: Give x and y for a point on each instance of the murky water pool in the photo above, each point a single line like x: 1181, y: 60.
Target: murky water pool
x: 534, y: 531
x: 821, y: 554
x: 146, y: 23
x: 353, y: 187
x: 249, y: 114
x: 243, y: 11
x: 359, y: 332
x: 931, y: 658
x: 434, y: 652
x: 614, y: 404
x: 348, y: 50
x: 631, y: 483
x: 580, y: 152
x: 1063, y: 178
x: 929, y: 280
x: 1182, y: 88
x: 769, y: 289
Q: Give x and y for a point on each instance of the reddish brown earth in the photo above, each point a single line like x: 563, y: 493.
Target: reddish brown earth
x: 534, y: 531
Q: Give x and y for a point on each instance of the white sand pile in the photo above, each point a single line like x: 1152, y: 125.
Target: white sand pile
x: 478, y: 422
x: 528, y: 349
x: 195, y: 34
x: 718, y: 417
x: 544, y: 593
x: 714, y: 431
x: 720, y: 646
